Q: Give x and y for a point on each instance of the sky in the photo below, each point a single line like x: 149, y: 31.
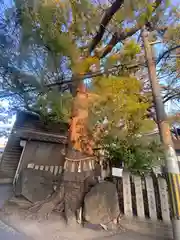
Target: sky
x: 8, y: 125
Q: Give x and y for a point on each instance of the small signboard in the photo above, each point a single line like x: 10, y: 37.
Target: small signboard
x: 117, y: 172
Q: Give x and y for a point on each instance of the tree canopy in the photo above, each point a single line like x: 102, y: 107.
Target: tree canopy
x: 47, y: 47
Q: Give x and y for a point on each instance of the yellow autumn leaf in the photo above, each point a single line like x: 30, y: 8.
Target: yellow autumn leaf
x: 83, y: 66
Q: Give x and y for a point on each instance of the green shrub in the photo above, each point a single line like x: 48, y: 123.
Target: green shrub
x: 137, y: 154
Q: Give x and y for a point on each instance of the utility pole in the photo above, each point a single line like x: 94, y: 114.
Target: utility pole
x: 171, y: 161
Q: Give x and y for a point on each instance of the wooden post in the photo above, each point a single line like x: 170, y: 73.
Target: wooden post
x: 127, y: 195
x: 139, y: 197
x: 151, y: 198
x: 162, y: 185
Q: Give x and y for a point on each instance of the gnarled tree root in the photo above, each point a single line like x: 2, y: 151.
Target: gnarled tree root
x: 44, y: 208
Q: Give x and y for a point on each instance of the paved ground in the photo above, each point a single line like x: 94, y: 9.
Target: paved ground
x: 5, y: 193
x: 8, y: 233
x: 130, y: 235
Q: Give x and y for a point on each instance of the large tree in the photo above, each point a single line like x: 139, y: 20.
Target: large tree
x: 53, y: 56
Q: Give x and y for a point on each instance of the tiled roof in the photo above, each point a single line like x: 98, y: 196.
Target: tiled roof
x: 41, y: 136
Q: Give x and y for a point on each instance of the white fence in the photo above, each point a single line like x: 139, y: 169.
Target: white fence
x: 144, y: 197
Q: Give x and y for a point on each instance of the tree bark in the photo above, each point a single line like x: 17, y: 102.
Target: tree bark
x: 79, y: 160
x: 79, y: 163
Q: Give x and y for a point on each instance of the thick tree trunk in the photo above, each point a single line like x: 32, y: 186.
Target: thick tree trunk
x: 79, y: 163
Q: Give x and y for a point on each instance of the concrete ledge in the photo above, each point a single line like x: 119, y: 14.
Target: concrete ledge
x: 6, y: 192
x: 152, y: 228
x: 6, y: 180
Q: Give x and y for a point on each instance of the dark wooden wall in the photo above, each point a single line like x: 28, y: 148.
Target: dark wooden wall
x: 41, y: 153
x: 13, y: 150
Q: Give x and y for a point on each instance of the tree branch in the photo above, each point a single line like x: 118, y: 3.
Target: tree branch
x: 166, y: 53
x: 122, y: 35
x: 104, y: 22
x: 171, y: 97
x: 118, y: 37
x: 69, y: 81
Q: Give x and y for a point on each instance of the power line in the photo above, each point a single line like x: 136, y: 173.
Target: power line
x: 70, y: 80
